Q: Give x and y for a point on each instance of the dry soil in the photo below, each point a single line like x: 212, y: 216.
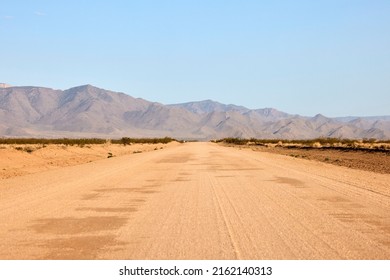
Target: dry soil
x: 196, y: 201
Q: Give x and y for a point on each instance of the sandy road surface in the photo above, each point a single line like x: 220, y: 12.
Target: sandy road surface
x: 196, y: 201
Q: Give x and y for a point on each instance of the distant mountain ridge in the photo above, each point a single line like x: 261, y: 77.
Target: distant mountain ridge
x: 88, y: 111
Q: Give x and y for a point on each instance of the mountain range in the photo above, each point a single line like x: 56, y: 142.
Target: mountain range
x: 88, y: 111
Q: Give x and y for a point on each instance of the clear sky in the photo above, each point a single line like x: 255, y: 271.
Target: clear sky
x: 304, y: 57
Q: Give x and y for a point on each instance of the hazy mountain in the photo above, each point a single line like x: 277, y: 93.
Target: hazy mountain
x: 209, y: 106
x: 88, y: 111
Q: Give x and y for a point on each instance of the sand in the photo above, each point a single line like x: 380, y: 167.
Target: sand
x: 18, y: 160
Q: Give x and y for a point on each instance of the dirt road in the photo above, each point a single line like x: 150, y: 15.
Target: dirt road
x: 196, y: 201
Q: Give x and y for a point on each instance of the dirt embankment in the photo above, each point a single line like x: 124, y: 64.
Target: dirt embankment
x: 363, y: 159
x: 18, y: 160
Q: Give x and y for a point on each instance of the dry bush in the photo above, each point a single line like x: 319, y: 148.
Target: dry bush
x: 129, y: 141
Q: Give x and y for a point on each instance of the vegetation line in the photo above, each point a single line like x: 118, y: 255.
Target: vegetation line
x: 318, y: 143
x: 85, y: 141
x: 241, y: 141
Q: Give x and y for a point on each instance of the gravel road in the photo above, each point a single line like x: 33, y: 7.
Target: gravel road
x: 196, y: 201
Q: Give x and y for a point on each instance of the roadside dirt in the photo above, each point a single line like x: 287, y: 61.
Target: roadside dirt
x: 19, y: 160
x: 375, y: 161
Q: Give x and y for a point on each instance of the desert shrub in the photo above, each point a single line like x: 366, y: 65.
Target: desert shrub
x: 129, y: 141
x: 317, y: 145
x: 28, y: 150
x: 370, y: 140
x: 25, y: 149
x: 236, y: 141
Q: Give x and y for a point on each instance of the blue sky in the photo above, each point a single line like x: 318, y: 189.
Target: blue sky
x: 304, y: 57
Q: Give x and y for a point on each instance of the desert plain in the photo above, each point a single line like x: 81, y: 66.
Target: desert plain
x: 187, y: 201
